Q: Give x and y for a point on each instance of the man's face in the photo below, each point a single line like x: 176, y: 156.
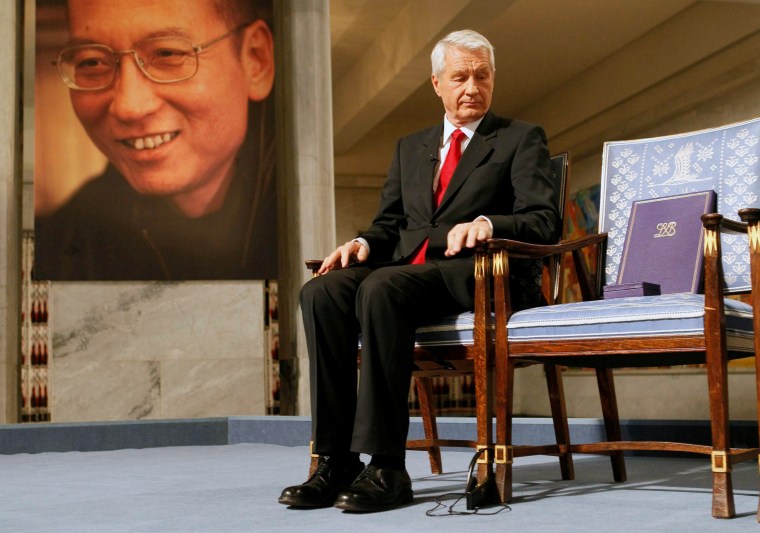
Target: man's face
x: 465, y: 85
x: 195, y: 126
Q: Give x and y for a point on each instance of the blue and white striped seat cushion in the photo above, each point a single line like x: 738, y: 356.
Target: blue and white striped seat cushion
x: 454, y: 330
x: 641, y: 316
x: 667, y: 314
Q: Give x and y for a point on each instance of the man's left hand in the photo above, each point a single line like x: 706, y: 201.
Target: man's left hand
x: 467, y: 235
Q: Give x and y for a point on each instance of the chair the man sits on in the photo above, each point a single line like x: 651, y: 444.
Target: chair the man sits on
x: 462, y: 345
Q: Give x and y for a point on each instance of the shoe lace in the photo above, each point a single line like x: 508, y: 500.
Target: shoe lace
x: 322, y: 470
x: 369, y: 471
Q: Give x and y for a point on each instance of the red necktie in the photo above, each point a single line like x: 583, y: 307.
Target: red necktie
x: 447, y: 170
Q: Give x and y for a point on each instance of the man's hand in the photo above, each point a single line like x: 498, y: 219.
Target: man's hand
x: 467, y: 235
x: 347, y: 254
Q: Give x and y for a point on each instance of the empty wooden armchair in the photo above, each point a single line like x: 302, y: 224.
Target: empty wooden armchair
x: 686, y: 327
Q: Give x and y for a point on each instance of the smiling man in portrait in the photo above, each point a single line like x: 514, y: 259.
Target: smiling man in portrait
x: 177, y: 96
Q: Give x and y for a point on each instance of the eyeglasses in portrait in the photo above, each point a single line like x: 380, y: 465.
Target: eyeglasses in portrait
x: 154, y: 140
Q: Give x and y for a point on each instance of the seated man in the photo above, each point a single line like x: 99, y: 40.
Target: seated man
x: 413, y: 265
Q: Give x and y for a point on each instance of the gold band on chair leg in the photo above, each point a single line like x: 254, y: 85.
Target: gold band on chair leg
x: 499, y: 263
x: 311, y: 449
x: 720, y: 462
x: 504, y: 454
x: 753, y: 233
x: 480, y: 266
x: 500, y: 454
x: 486, y: 455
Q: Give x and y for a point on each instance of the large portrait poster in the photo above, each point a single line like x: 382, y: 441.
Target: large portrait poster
x: 154, y: 140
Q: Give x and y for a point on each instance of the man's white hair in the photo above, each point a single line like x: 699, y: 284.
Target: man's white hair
x: 466, y: 39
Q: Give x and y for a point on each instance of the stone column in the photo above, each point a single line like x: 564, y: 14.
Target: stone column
x: 10, y: 205
x: 305, y: 175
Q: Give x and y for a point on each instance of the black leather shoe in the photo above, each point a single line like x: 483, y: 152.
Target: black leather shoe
x: 376, y: 489
x: 324, y: 485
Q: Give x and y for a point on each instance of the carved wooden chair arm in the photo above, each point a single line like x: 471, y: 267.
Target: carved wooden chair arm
x: 313, y: 265
x: 524, y: 250
x: 750, y: 216
x: 502, y: 249
x: 726, y: 225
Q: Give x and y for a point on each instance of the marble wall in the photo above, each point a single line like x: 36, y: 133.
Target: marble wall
x: 147, y: 351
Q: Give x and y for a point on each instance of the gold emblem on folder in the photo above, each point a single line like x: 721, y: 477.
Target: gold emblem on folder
x: 666, y: 229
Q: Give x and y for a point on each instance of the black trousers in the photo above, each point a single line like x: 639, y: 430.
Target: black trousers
x: 385, y: 305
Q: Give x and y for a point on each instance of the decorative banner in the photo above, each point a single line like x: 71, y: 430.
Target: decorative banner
x: 272, y: 360
x: 34, y: 405
x: 154, y: 141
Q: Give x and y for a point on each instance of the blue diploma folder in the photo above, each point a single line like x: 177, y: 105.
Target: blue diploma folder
x: 664, y: 243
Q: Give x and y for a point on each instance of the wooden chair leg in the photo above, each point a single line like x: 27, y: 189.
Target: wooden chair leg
x: 427, y: 410
x: 723, y: 491
x: 611, y: 419
x: 559, y: 416
x: 504, y: 404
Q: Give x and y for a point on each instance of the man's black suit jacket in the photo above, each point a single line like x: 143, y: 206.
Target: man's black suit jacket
x: 503, y: 174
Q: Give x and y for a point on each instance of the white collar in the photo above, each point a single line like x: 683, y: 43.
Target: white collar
x: 467, y: 129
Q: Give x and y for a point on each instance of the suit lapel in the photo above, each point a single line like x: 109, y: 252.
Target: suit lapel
x: 477, y: 150
x: 428, y: 156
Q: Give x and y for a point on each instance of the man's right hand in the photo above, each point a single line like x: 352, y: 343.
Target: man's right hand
x: 347, y: 254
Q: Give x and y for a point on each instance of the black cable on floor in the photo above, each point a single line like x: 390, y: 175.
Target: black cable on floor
x: 449, y: 510
x: 471, y: 482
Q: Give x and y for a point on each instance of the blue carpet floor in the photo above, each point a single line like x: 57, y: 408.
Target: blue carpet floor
x: 234, y: 487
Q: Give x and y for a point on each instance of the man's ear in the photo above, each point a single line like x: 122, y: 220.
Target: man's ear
x: 257, y: 55
x: 434, y: 79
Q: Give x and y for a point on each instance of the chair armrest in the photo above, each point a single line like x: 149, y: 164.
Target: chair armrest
x: 524, y: 250
x: 714, y: 224
x: 313, y: 265
x: 521, y: 250
x: 726, y: 225
x: 750, y: 216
